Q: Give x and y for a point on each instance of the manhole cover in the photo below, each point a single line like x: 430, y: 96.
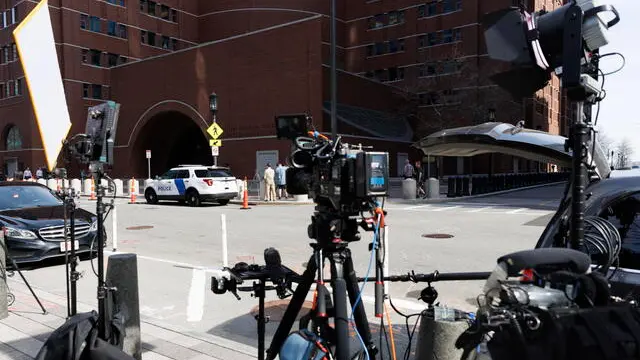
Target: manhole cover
x: 141, y: 227
x: 437, y: 236
x: 275, y: 309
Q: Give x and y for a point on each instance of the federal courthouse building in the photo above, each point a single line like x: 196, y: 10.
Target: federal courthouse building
x: 405, y: 69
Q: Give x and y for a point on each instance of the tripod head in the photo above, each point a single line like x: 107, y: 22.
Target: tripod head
x: 333, y: 228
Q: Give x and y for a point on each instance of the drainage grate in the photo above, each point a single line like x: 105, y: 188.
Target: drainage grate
x: 141, y: 227
x: 437, y: 236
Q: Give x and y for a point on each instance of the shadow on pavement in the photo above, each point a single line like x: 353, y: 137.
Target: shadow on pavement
x: 243, y: 329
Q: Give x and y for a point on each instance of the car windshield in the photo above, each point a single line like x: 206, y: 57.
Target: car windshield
x: 18, y: 197
x: 212, y: 173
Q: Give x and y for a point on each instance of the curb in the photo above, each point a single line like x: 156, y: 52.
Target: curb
x: 462, y: 198
x: 275, y: 203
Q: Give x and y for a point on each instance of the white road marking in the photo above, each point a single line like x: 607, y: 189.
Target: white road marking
x: 415, y: 207
x: 446, y: 208
x: 195, y: 304
x: 516, y: 211
x: 480, y: 209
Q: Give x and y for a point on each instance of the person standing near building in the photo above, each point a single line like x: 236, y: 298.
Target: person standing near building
x: 269, y: 183
x: 281, y: 180
x: 27, y: 174
x: 39, y: 173
x: 407, y: 172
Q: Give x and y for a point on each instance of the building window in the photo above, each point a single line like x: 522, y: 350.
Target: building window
x: 112, y: 59
x: 151, y: 38
x: 151, y: 8
x: 14, y: 15
x: 165, y: 42
x: 174, y: 15
x: 447, y: 6
x: 85, y: 90
x: 174, y: 44
x: 18, y: 87
x: 396, y: 17
x: 432, y: 9
x: 458, y: 4
x: 422, y: 41
x: 94, y: 24
x: 111, y: 28
x: 116, y: 2
x: 96, y: 56
x: 143, y: 36
x: 14, y: 139
x: 5, y: 54
x: 369, y: 50
x: 380, y: 48
x: 96, y: 91
x: 432, y: 39
x: 377, y: 21
x: 122, y: 31
x: 447, y: 36
x: 395, y: 74
x: 14, y: 50
x: 422, y: 11
x: 84, y: 19
x: 9, y: 88
x: 457, y: 34
x: 2, y: 94
x: 396, y: 45
x: 143, y: 5
x: 85, y: 55
x: 4, y: 20
x: 164, y: 12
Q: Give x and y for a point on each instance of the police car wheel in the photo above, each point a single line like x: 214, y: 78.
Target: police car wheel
x: 193, y: 198
x: 151, y: 196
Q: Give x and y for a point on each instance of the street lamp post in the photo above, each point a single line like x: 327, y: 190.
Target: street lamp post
x: 213, y: 107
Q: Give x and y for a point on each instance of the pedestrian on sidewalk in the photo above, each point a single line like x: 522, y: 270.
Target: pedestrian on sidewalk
x: 281, y: 181
x: 408, y: 171
x: 269, y: 183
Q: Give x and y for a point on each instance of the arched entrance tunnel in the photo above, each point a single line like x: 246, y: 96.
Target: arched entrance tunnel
x: 174, y: 139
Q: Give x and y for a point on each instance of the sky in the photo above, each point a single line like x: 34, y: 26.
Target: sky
x: 619, y: 118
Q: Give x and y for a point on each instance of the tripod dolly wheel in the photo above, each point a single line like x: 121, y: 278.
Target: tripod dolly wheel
x: 10, y: 299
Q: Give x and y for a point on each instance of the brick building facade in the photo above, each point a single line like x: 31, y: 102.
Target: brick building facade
x: 407, y: 67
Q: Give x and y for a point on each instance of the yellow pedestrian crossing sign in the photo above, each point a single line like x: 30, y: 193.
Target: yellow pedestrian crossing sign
x: 215, y: 131
x: 215, y: 142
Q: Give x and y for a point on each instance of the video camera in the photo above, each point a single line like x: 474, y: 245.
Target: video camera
x: 334, y: 174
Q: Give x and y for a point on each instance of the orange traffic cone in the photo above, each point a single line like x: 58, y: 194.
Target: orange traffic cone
x: 245, y: 197
x: 93, y: 190
x: 133, y: 191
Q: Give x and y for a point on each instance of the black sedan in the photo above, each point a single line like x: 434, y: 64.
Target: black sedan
x: 612, y: 195
x: 32, y: 217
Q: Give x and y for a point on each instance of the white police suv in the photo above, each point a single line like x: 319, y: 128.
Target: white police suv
x: 193, y: 184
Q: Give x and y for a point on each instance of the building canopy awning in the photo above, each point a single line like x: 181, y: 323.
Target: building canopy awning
x: 376, y: 123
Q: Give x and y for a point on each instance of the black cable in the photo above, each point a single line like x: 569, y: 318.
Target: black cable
x: 624, y: 61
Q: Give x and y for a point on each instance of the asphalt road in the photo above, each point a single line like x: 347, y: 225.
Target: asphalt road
x: 177, y: 244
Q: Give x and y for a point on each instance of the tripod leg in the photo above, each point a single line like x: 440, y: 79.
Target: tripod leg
x: 289, y: 317
x: 340, y: 305
x: 15, y: 266
x: 359, y: 315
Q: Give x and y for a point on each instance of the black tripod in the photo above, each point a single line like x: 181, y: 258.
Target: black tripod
x: 333, y: 231
x: 8, y: 272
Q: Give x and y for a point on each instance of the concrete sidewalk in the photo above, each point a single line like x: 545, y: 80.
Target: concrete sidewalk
x: 23, y: 333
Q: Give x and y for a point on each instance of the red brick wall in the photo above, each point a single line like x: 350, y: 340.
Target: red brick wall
x: 250, y: 93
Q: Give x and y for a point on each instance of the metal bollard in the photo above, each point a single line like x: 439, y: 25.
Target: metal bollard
x: 4, y: 300
x: 451, y: 187
x: 122, y: 273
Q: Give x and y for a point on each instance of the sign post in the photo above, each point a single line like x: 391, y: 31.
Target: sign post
x: 215, y: 131
x: 149, y: 164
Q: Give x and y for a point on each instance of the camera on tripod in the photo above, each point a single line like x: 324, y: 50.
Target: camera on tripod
x: 343, y: 177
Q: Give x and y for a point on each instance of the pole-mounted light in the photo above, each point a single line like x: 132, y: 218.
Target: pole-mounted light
x: 213, y: 103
